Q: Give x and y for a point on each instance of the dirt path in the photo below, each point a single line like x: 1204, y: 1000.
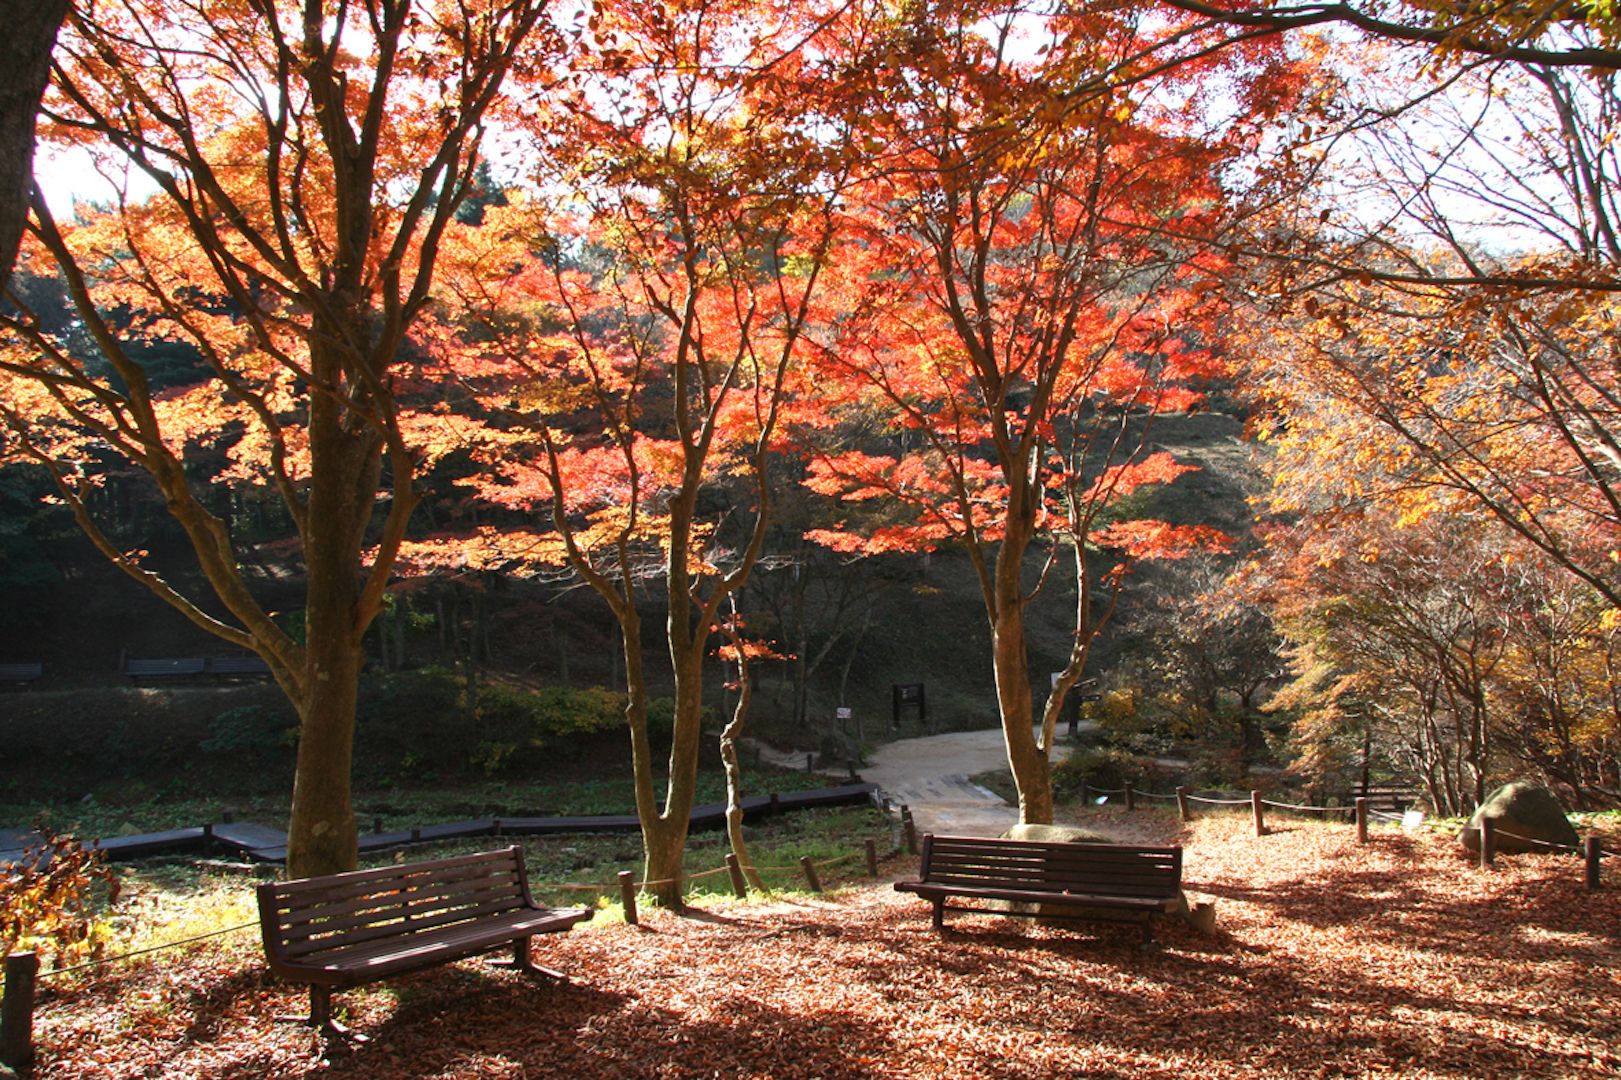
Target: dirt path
x: 930, y: 775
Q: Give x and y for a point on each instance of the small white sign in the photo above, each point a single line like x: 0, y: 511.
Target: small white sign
x: 843, y: 712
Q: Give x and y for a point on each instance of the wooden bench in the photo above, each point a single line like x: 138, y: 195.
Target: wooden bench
x: 342, y: 930
x: 165, y: 667
x: 238, y: 667
x: 1108, y: 881
x: 23, y: 673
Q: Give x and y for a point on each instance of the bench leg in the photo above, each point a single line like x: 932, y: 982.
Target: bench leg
x: 940, y: 914
x: 320, y: 1006
x: 1149, y: 944
x: 520, y: 962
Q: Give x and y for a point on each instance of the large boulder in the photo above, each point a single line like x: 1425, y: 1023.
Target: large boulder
x: 1066, y: 834
x: 1522, y: 814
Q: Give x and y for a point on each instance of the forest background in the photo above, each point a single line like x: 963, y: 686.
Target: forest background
x: 1261, y: 364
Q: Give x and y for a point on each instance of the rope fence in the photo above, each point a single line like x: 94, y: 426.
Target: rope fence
x: 1361, y: 812
x: 22, y: 968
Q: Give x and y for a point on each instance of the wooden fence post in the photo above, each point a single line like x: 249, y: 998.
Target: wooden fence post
x: 627, y: 895
x: 1593, y: 853
x: 1361, y: 819
x: 810, y: 873
x: 909, y: 828
x: 735, y: 868
x: 1258, y: 813
x: 1182, y: 807
x: 17, y: 1010
x: 1131, y: 797
x: 872, y: 857
x: 1488, y: 843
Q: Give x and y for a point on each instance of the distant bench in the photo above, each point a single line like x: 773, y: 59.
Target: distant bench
x: 189, y: 667
x: 31, y: 671
x: 1099, y: 879
x: 342, y: 930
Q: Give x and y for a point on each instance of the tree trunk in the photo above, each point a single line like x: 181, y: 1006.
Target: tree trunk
x: 665, y: 832
x: 345, y: 468
x: 1032, y: 773
x: 734, y: 771
x: 321, y: 837
x: 25, y: 54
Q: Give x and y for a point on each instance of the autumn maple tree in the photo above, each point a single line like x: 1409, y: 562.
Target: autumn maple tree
x: 1444, y: 342
x: 629, y: 343
x: 1023, y: 292
x: 286, y: 175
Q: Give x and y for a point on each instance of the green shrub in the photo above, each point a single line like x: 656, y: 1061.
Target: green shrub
x: 1108, y: 767
x: 251, y: 729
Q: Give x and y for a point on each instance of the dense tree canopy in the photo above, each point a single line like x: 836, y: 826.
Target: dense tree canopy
x: 620, y: 273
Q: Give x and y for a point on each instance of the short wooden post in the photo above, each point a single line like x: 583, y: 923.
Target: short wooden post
x: 872, y: 857
x: 734, y: 867
x: 377, y: 824
x: 776, y: 803
x: 495, y: 826
x: 810, y: 762
x: 1361, y: 819
x: 627, y: 895
x: 208, y: 839
x: 810, y: 873
x: 17, y: 1010
x: 1488, y: 843
x: 1182, y: 808
x: 1258, y: 812
x: 227, y: 816
x: 416, y: 836
x: 909, y: 828
x: 1131, y: 796
x: 1592, y: 850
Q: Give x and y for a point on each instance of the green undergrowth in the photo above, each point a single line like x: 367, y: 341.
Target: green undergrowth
x: 169, y: 900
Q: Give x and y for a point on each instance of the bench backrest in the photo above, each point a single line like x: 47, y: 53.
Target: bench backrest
x: 168, y: 665
x: 1052, y: 866
x: 238, y: 665
x: 302, y: 918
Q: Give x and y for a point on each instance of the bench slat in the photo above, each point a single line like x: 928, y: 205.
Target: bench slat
x: 398, y: 909
x: 379, y: 960
x: 1124, y: 877
x: 1029, y: 896
x: 441, y: 869
x: 398, y: 894
x: 398, y: 928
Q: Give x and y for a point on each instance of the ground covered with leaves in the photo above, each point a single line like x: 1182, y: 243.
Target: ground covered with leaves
x: 1330, y: 959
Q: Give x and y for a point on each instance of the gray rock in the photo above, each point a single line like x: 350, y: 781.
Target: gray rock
x: 1067, y: 834
x: 1522, y: 813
